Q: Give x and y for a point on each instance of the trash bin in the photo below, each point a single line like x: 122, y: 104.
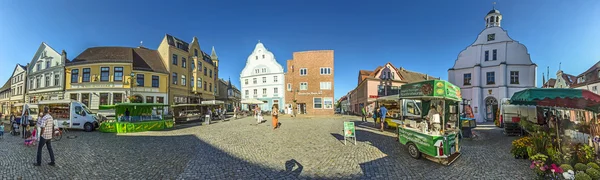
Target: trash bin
x: 207, y: 119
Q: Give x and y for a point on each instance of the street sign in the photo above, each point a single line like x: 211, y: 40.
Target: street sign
x: 349, y: 131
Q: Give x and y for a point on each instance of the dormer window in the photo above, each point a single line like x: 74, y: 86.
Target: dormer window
x: 263, y: 56
x: 48, y: 64
x: 39, y: 66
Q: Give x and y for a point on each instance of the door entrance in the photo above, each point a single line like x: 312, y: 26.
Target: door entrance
x: 301, y: 108
x: 491, y: 108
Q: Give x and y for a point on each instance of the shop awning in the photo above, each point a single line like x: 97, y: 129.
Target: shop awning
x: 558, y: 97
x: 213, y: 102
x: 252, y: 101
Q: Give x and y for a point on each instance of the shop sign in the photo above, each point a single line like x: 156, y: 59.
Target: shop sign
x: 96, y: 85
x: 310, y: 93
x: 373, y: 96
x: 137, y: 89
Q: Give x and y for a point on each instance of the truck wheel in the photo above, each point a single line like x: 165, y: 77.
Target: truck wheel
x: 413, y: 151
x: 88, y: 127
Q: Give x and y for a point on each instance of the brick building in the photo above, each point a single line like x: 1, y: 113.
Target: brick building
x: 309, y: 83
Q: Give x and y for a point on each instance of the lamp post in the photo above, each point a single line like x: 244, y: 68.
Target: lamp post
x: 131, y: 86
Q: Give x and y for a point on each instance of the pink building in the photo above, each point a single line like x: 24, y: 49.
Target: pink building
x: 383, y: 81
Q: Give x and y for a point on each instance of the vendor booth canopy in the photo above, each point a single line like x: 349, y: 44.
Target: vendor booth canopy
x: 135, y: 109
x: 556, y: 97
x: 252, y: 101
x: 213, y: 102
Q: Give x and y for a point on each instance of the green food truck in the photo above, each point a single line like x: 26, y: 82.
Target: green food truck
x: 435, y: 134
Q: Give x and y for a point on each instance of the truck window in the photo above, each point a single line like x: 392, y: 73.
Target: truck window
x: 78, y: 110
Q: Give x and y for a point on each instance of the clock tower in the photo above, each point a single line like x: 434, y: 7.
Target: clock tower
x: 493, y: 18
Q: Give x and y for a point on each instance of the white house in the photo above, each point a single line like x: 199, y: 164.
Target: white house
x: 18, y: 85
x: 262, y: 78
x: 46, y: 75
x: 493, y: 67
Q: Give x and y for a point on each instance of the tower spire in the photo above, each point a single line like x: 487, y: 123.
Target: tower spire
x: 494, y: 5
x: 213, y: 54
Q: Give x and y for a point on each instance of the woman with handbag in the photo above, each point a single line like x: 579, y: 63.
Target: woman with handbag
x: 274, y: 113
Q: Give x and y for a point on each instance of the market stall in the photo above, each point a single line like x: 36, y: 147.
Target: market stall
x: 433, y: 135
x: 136, y: 117
x: 187, y: 112
x: 564, y: 135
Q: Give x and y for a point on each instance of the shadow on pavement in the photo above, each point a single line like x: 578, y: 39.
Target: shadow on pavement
x: 98, y: 155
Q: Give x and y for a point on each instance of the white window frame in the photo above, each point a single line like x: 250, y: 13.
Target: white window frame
x: 325, y: 99
x: 315, y: 104
x: 253, y: 80
x: 246, y: 81
x: 305, y: 86
x: 325, y: 71
x: 276, y: 90
x: 183, y: 79
x: 289, y: 86
x: 325, y: 85
x: 275, y: 79
x: 264, y: 79
x: 303, y: 70
x: 256, y: 71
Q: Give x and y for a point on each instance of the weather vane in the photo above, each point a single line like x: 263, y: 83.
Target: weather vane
x: 494, y: 5
x: 141, y: 43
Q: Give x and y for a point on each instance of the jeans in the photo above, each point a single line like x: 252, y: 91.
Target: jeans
x: 48, y: 143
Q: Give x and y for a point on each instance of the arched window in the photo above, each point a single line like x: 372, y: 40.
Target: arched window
x: 497, y: 19
x: 492, y: 19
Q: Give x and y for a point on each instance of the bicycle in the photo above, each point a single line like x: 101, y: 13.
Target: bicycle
x: 58, y: 133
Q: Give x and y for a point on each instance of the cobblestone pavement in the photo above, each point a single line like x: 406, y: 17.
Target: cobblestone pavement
x: 239, y: 149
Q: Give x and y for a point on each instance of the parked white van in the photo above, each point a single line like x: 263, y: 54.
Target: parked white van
x: 71, y: 114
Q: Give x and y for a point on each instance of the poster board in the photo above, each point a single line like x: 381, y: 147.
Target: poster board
x: 349, y: 131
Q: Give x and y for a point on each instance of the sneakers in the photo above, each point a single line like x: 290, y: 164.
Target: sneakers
x: 36, y: 164
x: 51, y: 164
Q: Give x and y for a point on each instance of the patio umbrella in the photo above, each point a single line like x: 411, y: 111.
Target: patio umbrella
x: 557, y: 97
x: 252, y: 101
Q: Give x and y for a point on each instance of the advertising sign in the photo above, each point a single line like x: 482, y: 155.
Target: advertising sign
x: 349, y: 131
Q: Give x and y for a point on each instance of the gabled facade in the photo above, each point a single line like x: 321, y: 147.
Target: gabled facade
x: 193, y: 73
x: 112, y: 75
x: 383, y: 81
x: 262, y: 78
x: 18, y: 85
x: 492, y: 68
x: 45, y: 75
x: 589, y: 80
x: 228, y: 94
x: 564, y: 80
x: 5, y: 95
x: 550, y: 83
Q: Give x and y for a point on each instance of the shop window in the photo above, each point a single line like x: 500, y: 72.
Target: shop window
x: 328, y: 103
x: 160, y: 100
x: 149, y: 99
x: 117, y: 98
x: 103, y: 98
x: 137, y: 99
x: 86, y: 75
x: 74, y: 96
x: 85, y: 99
x: 140, y: 80
x: 317, y: 103
x: 118, y: 74
x: 104, y: 74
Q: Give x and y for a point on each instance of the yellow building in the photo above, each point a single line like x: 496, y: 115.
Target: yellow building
x: 193, y: 73
x: 111, y: 75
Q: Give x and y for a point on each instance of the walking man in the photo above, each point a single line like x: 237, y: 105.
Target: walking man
x: 364, y: 114
x: 46, y: 139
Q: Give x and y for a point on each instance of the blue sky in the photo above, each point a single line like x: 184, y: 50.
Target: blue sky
x: 424, y: 36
